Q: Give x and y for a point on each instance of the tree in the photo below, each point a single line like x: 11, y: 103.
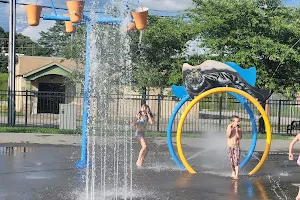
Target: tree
x: 107, y: 46
x: 3, y: 63
x: 70, y: 46
x: 24, y: 45
x: 74, y: 47
x: 158, y: 58
x: 54, y: 39
x: 256, y: 33
x: 4, y: 36
x: 155, y: 60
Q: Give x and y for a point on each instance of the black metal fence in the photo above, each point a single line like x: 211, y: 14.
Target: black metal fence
x: 45, y: 109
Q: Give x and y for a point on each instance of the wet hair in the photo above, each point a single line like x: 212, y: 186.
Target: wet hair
x: 147, y: 107
x: 234, y: 117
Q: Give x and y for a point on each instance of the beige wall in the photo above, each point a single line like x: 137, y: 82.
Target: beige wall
x: 20, y: 86
x: 28, y: 64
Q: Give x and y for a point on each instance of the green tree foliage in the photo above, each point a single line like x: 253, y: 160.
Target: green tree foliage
x: 156, y: 60
x: 60, y: 43
x: 3, y: 81
x: 4, y: 38
x: 75, y: 45
x: 256, y: 33
x: 3, y: 63
x: 24, y: 45
x: 54, y: 39
x: 71, y: 46
x: 107, y: 41
x: 158, y: 57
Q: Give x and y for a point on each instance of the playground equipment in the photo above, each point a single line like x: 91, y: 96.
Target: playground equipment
x: 70, y: 28
x: 74, y: 17
x: 216, y: 76
x: 140, y: 17
x: 75, y: 10
x: 33, y: 14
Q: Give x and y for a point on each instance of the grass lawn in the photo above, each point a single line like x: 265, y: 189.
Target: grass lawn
x: 37, y: 130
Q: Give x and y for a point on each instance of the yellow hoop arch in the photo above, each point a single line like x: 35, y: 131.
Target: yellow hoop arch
x: 216, y: 90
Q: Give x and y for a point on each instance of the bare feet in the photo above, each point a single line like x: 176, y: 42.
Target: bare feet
x: 235, y: 177
x: 138, y: 163
x: 235, y: 186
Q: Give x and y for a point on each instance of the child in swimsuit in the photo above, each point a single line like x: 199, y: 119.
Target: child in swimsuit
x: 142, y: 119
x: 234, y: 135
x: 291, y: 156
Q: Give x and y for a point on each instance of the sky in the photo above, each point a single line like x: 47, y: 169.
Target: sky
x: 162, y: 7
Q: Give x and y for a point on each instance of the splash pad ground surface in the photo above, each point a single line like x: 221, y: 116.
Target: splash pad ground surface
x: 40, y: 171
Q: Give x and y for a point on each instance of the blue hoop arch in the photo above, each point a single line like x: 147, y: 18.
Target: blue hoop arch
x: 185, y: 99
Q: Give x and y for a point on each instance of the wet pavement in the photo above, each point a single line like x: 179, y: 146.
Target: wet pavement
x: 32, y: 172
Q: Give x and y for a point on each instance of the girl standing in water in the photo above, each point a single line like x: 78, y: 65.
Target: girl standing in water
x: 142, y: 119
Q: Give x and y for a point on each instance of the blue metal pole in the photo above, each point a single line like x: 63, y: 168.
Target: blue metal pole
x: 169, y: 131
x: 83, y: 162
x: 53, y: 8
x: 101, y: 20
x: 254, y: 128
x: 109, y: 20
x: 254, y: 136
x: 56, y: 17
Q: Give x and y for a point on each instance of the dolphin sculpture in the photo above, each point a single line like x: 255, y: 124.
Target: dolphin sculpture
x: 211, y: 74
x: 248, y: 75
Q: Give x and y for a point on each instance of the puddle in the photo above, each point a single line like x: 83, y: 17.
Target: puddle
x: 16, y: 151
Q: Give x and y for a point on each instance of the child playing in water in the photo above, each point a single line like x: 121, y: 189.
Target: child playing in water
x: 142, y: 119
x: 291, y: 156
x: 234, y: 135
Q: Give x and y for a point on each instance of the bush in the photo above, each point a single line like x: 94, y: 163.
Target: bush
x: 3, y: 81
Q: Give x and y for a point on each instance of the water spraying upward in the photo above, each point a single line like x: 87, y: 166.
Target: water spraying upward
x: 110, y: 174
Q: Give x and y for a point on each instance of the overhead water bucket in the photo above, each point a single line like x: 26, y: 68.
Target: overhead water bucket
x: 140, y: 17
x: 69, y: 26
x: 33, y: 14
x: 75, y: 10
x: 131, y: 26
